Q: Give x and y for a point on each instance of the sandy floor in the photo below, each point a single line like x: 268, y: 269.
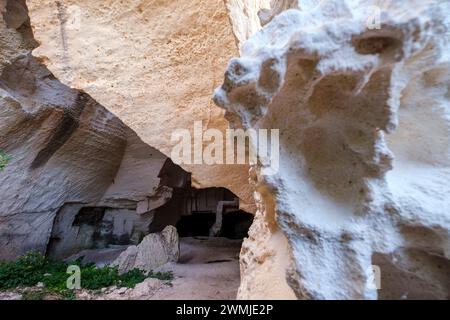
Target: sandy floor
x: 208, y: 269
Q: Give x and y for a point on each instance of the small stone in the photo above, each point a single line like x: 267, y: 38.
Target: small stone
x: 155, y: 250
x: 122, y: 290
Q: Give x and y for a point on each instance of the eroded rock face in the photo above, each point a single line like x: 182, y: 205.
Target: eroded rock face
x: 364, y: 165
x: 363, y: 115
x: 66, y: 151
x: 244, y: 17
x: 151, y: 63
x: 155, y: 250
x: 247, y: 17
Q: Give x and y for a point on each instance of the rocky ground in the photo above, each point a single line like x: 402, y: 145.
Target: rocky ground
x: 208, y: 269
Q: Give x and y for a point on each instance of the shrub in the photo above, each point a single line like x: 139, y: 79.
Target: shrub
x: 32, y: 268
x: 28, y: 270
x: 94, y: 278
x: 132, y: 278
x: 4, y: 159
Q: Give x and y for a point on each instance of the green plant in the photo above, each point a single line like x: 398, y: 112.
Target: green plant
x: 4, y: 159
x: 32, y: 268
x: 94, y: 278
x: 132, y: 278
x: 28, y: 270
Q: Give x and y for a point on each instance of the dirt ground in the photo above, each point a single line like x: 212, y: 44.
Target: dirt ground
x: 208, y: 269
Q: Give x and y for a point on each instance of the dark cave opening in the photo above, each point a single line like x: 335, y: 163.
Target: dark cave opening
x: 194, y: 212
x: 209, y: 212
x: 197, y: 224
x: 90, y: 216
x: 235, y: 224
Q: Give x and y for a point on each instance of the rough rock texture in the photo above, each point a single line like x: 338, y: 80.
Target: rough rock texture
x: 145, y: 290
x: 154, y: 251
x: 244, y: 17
x: 100, y: 257
x: 65, y: 148
x: 142, y: 291
x: 153, y: 64
x: 364, y: 164
x: 247, y: 17
x: 363, y: 115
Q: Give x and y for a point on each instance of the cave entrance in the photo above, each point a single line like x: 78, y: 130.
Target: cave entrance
x: 211, y: 227
x: 225, y: 221
x: 209, y: 221
x: 209, y: 212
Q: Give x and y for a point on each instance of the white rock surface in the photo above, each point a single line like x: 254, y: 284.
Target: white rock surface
x: 155, y: 250
x: 364, y: 134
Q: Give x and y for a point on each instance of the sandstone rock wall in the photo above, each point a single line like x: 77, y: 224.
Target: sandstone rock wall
x: 153, y: 64
x: 364, y: 135
x: 65, y: 148
x: 363, y: 115
x: 244, y: 17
